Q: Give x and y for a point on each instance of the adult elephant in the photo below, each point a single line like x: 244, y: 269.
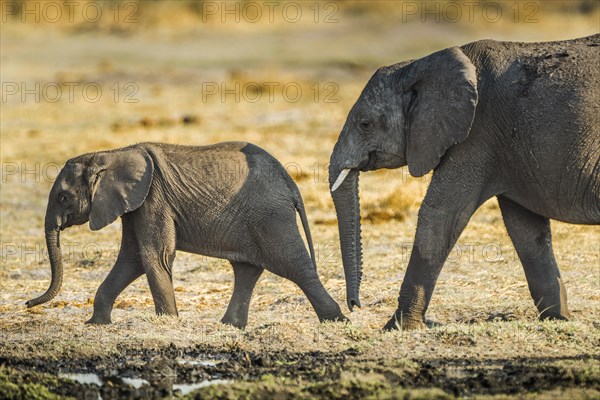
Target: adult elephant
x: 519, y: 121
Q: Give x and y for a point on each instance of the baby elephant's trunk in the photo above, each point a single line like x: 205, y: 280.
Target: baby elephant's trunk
x: 53, y: 243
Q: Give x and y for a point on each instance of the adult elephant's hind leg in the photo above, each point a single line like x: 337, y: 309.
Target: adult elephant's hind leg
x: 245, y: 278
x: 531, y: 236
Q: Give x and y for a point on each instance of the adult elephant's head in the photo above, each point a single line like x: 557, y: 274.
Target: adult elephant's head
x: 96, y: 187
x: 409, y: 113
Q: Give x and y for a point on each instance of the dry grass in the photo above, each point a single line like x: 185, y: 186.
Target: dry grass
x: 393, y: 204
x: 481, y: 301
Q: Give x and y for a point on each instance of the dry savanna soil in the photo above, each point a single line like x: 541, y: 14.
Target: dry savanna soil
x: 173, y: 76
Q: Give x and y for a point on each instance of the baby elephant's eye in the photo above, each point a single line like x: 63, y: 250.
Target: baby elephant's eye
x: 62, y: 198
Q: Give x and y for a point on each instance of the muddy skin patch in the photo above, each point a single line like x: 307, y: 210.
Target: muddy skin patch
x: 203, y: 373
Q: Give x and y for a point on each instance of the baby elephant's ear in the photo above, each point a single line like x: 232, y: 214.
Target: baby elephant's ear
x: 120, y: 184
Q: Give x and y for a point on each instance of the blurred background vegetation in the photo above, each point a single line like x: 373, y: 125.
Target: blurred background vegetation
x: 189, y: 15
x: 259, y: 39
x: 162, y: 54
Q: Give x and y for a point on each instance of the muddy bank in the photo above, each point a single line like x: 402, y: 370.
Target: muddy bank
x: 202, y: 373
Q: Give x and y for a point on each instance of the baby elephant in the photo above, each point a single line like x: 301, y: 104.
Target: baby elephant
x: 229, y: 200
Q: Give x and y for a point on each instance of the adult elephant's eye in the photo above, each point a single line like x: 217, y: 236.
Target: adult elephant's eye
x: 365, y: 125
x: 62, y: 198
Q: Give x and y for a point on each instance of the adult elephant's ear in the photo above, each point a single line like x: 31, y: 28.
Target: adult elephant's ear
x: 441, y: 95
x: 119, y: 183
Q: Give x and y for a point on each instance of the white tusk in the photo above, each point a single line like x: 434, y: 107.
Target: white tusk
x: 340, y: 179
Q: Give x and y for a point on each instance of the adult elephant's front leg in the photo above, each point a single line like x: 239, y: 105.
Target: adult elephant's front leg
x: 445, y: 212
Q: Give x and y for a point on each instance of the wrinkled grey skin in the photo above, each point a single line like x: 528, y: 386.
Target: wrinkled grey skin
x: 519, y: 121
x: 229, y: 200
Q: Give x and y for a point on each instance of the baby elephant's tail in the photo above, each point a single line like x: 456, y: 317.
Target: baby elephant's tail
x: 300, y: 208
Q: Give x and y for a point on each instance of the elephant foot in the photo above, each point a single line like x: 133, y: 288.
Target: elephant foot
x: 331, y: 312
x: 337, y: 318
x: 167, y: 312
x: 552, y: 304
x: 233, y: 322
x: 562, y: 316
x: 95, y: 320
x: 398, y: 322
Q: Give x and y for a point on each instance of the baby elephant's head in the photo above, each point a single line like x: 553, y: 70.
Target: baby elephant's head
x: 95, y: 187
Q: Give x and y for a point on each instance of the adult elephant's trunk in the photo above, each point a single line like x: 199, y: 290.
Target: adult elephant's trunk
x: 347, y: 207
x: 53, y: 243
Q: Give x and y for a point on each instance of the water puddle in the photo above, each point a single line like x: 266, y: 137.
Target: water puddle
x: 138, y: 383
x: 84, y: 379
x: 135, y: 382
x: 188, y: 388
x: 203, y: 363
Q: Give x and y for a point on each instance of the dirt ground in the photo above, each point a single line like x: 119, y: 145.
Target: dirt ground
x: 174, y: 76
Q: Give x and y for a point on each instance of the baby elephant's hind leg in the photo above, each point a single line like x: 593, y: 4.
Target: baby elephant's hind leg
x: 326, y: 308
x: 286, y: 255
x: 301, y: 271
x: 245, y: 276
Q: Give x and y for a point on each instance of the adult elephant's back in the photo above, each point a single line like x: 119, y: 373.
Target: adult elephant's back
x: 547, y: 96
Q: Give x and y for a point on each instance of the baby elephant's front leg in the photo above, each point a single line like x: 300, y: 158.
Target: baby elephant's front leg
x: 160, y: 280
x: 156, y: 241
x: 246, y: 276
x: 127, y: 269
x: 120, y: 276
x: 157, y: 253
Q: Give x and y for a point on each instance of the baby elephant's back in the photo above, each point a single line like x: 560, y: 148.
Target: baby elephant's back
x: 267, y: 173
x: 230, y: 176
x: 267, y: 185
